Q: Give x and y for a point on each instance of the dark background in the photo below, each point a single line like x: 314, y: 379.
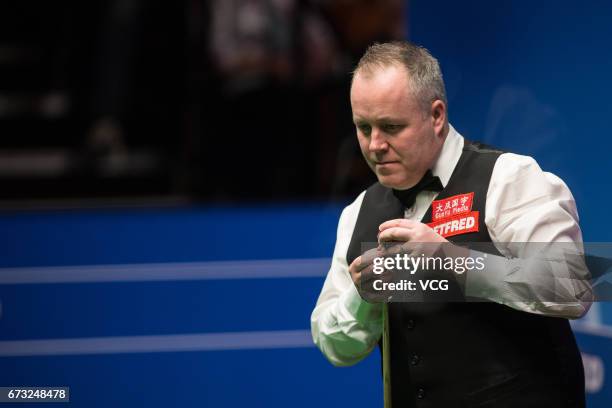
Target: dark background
x: 196, y: 100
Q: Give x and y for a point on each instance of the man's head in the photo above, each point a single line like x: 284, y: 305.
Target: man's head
x: 399, y: 110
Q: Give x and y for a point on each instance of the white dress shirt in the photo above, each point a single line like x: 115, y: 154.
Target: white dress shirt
x: 524, y: 204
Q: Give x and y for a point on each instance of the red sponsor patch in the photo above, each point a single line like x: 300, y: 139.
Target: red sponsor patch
x: 459, y: 224
x: 451, y: 206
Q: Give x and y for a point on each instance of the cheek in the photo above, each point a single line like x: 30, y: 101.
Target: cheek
x: 415, y: 147
x: 363, y: 144
x: 408, y: 150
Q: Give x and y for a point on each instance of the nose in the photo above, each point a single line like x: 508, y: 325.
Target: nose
x: 378, y: 142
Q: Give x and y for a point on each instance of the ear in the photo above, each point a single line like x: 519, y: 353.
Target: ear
x: 438, y: 116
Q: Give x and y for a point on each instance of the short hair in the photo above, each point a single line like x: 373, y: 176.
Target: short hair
x: 425, y: 76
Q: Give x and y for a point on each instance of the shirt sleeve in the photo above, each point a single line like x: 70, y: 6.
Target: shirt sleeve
x: 344, y: 326
x: 532, y: 219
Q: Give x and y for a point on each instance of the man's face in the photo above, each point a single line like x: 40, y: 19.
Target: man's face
x: 398, y: 139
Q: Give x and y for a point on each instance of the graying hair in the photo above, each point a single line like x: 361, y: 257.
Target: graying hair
x: 425, y: 76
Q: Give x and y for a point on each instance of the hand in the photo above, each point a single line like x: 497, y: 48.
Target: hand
x: 414, y: 237
x: 363, y: 276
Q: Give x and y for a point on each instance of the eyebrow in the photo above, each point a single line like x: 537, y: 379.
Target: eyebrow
x: 384, y: 119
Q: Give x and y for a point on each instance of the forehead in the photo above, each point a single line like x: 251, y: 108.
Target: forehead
x: 382, y: 92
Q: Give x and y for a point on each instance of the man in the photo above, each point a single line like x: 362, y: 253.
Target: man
x: 514, y: 348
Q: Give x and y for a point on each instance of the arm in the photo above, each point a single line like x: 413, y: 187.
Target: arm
x: 344, y: 326
x: 546, y: 276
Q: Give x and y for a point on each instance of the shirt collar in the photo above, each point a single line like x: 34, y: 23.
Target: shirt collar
x: 449, y: 155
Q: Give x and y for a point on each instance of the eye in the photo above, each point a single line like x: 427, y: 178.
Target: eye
x: 364, y: 128
x: 391, y: 128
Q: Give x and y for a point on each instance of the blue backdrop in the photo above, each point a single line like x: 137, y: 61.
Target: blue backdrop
x: 534, y: 78
x: 141, y: 278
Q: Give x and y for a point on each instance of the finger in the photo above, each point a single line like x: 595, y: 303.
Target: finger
x: 367, y: 274
x: 399, y: 222
x: 366, y: 285
x: 395, y: 234
x: 389, y: 248
x: 368, y: 277
x: 359, y: 263
x: 392, y: 249
x: 356, y: 277
x: 368, y: 256
x: 354, y: 267
x: 354, y: 271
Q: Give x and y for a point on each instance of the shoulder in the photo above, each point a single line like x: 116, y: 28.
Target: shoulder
x: 519, y: 187
x: 514, y: 165
x: 527, y: 204
x: 516, y: 168
x: 348, y: 218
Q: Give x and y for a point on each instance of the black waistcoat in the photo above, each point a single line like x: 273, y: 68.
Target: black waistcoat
x: 471, y: 354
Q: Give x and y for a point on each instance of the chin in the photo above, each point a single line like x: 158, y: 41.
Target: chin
x: 391, y: 182
x: 395, y: 182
